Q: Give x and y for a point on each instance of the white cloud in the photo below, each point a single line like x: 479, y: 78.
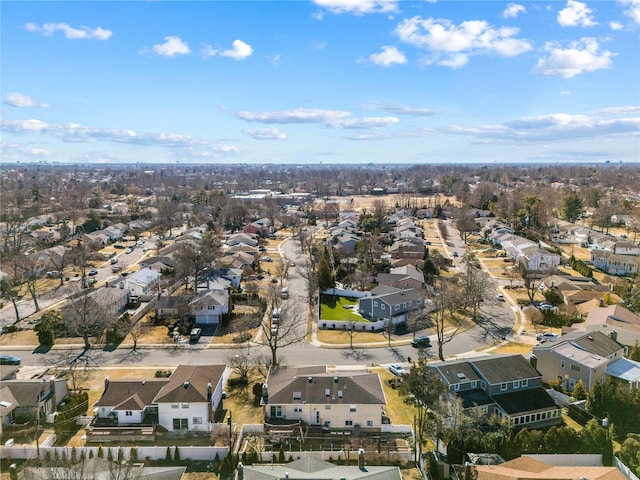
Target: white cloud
x: 266, y: 133
x: 399, y: 109
x: 25, y: 126
x: 620, y: 110
x: 19, y: 100
x: 208, y: 51
x: 299, y: 115
x: 389, y: 56
x: 512, y: 10
x: 71, y: 33
x: 19, y: 151
x: 452, y: 45
x: 170, y: 48
x: 357, y: 7
x: 328, y: 118
x: 576, y: 14
x: 240, y: 50
x: 320, y: 45
x: 615, y: 25
x: 566, y: 92
x: 274, y: 60
x: 632, y: 9
x: 581, y: 56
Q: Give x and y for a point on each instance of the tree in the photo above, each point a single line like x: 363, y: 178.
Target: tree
x: 10, y: 290
x: 88, y: 315
x: 571, y: 207
x: 237, y: 360
x: 531, y: 281
x: 60, y: 257
x: 421, y: 388
x: 444, y: 300
x: 579, y: 391
x: 325, y: 277
x: 465, y: 222
x: 634, y: 354
x: 289, y: 328
x: 50, y: 323
x: 475, y: 283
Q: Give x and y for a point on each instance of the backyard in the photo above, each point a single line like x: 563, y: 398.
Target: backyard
x: 339, y: 308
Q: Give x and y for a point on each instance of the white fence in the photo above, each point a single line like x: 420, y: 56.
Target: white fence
x: 357, y: 326
x: 626, y: 471
x: 143, y: 452
x: 346, y: 293
x: 388, y: 428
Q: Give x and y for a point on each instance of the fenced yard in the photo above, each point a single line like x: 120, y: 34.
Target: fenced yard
x: 340, y: 309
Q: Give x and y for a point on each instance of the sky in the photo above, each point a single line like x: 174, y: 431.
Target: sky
x: 320, y: 81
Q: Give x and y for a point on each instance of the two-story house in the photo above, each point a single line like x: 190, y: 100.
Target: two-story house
x: 577, y: 356
x: 407, y: 248
x: 186, y: 400
x: 390, y: 304
x: 615, y: 264
x: 209, y: 307
x: 507, y: 386
x: 313, y: 396
x: 406, y: 276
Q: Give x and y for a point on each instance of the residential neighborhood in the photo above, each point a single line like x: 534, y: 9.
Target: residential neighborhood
x: 252, y: 327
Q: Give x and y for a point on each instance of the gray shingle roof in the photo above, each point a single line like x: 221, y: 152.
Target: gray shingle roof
x: 524, y: 401
x: 500, y: 369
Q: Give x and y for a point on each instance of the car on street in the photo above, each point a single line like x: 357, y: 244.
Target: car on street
x: 455, y: 254
x: 421, y: 342
x: 547, y: 337
x: 92, y: 272
x: 397, y: 369
x: 92, y: 281
x: 500, y: 297
x: 9, y: 360
x: 114, y: 260
x: 116, y: 269
x: 128, y: 250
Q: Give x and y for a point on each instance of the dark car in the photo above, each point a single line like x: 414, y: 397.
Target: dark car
x: 93, y: 272
x: 9, y: 360
x: 421, y: 342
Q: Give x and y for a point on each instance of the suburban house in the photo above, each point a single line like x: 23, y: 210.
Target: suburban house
x: 611, y: 318
x: 528, y: 467
x: 344, y: 240
x: 142, y: 282
x: 242, y: 239
x: 159, y: 264
x: 260, y: 227
x: 209, y: 307
x: 614, y: 263
x: 186, y: 400
x: 626, y: 372
x: 24, y: 400
x: 99, y: 468
x: 577, y: 356
x: 407, y: 248
x: 390, y: 304
x: 311, y: 468
x: 627, y: 248
x: 172, y: 305
x: 313, y: 396
x: 406, y: 276
x: 507, y: 386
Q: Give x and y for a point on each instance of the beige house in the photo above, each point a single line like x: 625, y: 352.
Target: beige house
x: 312, y: 396
x: 613, y: 318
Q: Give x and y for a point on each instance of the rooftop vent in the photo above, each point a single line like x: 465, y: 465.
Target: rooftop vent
x: 186, y: 384
x: 327, y: 392
x: 297, y: 395
x: 461, y: 376
x: 310, y: 379
x: 335, y: 379
x: 339, y: 393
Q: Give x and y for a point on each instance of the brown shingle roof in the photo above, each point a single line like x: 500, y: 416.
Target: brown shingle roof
x: 188, y: 383
x: 118, y: 392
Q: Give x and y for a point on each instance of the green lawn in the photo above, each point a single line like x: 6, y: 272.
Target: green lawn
x: 333, y: 308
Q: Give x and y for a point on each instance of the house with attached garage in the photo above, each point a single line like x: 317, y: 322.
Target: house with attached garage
x: 186, y: 401
x: 504, y: 385
x: 577, y: 356
x: 209, y: 307
x: 334, y: 400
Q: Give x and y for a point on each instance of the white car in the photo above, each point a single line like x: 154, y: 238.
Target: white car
x: 397, y: 369
x: 547, y: 337
x: 500, y: 297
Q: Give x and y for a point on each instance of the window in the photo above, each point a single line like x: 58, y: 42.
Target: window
x: 525, y: 383
x: 575, y: 368
x: 503, y: 387
x: 174, y: 405
x: 327, y: 392
x: 375, y: 304
x: 369, y: 423
x: 185, y: 405
x: 348, y: 423
x: 561, y: 363
x: 327, y: 407
x: 456, y: 387
x: 297, y: 395
x: 474, y: 384
x: 128, y: 413
x: 483, y: 385
x: 276, y: 411
x: 197, y: 420
x: 180, y: 423
x: 211, y: 307
x: 352, y: 408
x: 516, y: 384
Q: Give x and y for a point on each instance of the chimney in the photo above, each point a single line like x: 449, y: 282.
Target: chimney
x: 601, y: 303
x: 106, y: 382
x: 533, y: 360
x: 613, y: 334
x: 265, y: 393
x: 209, y: 391
x: 361, y: 458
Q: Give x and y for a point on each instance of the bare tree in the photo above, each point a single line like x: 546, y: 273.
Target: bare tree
x: 82, y: 468
x: 60, y: 258
x: 445, y: 299
x: 475, y: 283
x: 88, y: 315
x: 289, y: 329
x: 237, y: 360
x: 31, y: 276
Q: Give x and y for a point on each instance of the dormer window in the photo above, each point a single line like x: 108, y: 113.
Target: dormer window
x: 297, y: 395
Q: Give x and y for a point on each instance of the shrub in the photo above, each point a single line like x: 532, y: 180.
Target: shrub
x: 163, y: 373
x: 237, y: 382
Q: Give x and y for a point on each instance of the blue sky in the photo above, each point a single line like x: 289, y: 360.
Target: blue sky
x: 331, y: 81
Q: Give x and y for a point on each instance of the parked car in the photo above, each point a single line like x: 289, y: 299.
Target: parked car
x: 265, y: 259
x: 119, y: 246
x: 9, y: 360
x: 500, y: 297
x: 116, y: 269
x: 397, y: 369
x: 195, y: 334
x: 455, y: 254
x: 547, y: 337
x: 92, y: 281
x: 92, y: 272
x: 128, y: 250
x: 53, y: 274
x: 114, y: 260
x: 421, y: 342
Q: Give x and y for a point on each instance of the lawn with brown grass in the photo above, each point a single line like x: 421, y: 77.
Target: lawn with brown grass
x: 21, y: 337
x: 341, y: 337
x: 513, y: 347
x: 399, y: 412
x: 239, y: 402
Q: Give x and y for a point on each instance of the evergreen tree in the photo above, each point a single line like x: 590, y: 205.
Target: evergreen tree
x: 325, y: 277
x: 579, y: 391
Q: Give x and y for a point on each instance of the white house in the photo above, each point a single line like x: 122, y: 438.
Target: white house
x: 142, y: 282
x: 341, y: 400
x: 614, y: 264
x: 209, y: 307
